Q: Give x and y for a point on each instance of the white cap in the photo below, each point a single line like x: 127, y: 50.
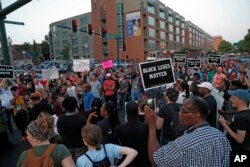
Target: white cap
x: 207, y: 85
x: 108, y: 75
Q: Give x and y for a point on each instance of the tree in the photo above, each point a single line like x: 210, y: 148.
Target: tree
x: 26, y: 46
x: 65, y: 52
x: 45, y: 48
x: 226, y: 47
x: 246, y: 42
x: 36, y: 53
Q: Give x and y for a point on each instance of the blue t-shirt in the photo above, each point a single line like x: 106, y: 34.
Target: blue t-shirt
x: 113, y: 152
x: 87, y: 99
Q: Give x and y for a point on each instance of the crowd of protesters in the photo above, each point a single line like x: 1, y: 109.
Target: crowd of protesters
x: 85, y: 106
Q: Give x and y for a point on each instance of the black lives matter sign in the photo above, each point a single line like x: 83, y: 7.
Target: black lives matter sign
x: 156, y: 73
x: 194, y: 63
x: 6, y: 72
x: 214, y: 59
x: 180, y: 58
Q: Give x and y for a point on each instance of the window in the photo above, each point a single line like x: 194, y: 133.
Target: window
x: 162, y: 25
x: 85, y: 39
x: 177, y: 38
x: 170, y: 18
x: 182, y: 25
x: 183, y: 40
x: 162, y: 15
x: 151, y: 9
x: 65, y: 34
x: 57, y: 51
x: 170, y: 28
x: 171, y: 37
x: 65, y: 42
x: 162, y: 35
x: 56, y: 44
x: 151, y: 32
x: 151, y: 21
x: 84, y: 21
x: 75, y: 51
x: 177, y: 30
x: 177, y: 21
x: 151, y: 43
x: 74, y: 41
x: 183, y: 32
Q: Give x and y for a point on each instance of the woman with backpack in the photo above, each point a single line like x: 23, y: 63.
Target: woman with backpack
x: 102, y: 155
x: 44, y: 154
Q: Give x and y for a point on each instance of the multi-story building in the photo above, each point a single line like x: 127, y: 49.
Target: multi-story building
x: 80, y: 43
x: 144, y: 28
x: 216, y: 42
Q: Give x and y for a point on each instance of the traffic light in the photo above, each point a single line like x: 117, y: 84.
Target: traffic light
x: 90, y: 29
x: 74, y: 26
x: 104, y: 32
x: 126, y: 56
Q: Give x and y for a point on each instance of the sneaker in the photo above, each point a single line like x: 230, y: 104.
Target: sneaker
x: 23, y: 138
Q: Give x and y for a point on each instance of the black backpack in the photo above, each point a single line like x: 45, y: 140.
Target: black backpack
x: 103, y: 163
x: 176, y: 128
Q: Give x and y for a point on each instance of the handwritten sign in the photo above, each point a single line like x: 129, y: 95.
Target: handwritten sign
x: 80, y: 65
x: 107, y: 64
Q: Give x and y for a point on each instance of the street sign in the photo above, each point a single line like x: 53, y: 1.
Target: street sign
x: 156, y: 73
x: 6, y: 71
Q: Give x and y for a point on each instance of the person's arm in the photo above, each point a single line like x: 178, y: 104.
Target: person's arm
x: 93, y: 114
x: 68, y: 162
x: 153, y: 143
x: 130, y: 156
x: 239, y: 136
x: 159, y: 122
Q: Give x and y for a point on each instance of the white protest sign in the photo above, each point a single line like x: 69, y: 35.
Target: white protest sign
x: 48, y: 74
x: 80, y: 65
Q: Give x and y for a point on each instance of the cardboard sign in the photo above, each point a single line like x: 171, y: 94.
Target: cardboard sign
x: 180, y: 58
x: 214, y: 59
x: 193, y: 63
x: 81, y: 65
x: 156, y: 73
x: 6, y: 71
x: 48, y: 74
x: 107, y: 64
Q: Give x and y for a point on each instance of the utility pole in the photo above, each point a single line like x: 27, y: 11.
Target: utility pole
x: 3, y: 13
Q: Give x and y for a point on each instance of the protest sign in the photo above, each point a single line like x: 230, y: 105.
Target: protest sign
x: 156, y: 73
x: 6, y: 71
x: 193, y: 63
x: 80, y: 65
x: 180, y: 58
x: 51, y: 73
x: 107, y: 64
x: 214, y: 59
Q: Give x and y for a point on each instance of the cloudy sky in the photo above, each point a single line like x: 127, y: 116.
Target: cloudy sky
x: 229, y: 18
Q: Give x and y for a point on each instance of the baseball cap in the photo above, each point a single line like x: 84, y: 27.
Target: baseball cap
x: 207, y: 85
x: 108, y: 75
x: 241, y: 93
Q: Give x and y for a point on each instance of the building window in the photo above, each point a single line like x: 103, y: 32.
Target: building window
x: 151, y: 44
x: 190, y: 29
x: 177, y: 30
x: 170, y: 18
x: 177, y: 38
x: 162, y: 25
x: 151, y: 9
x: 56, y: 44
x: 151, y: 32
x: 171, y: 37
x: 162, y: 15
x: 85, y: 39
x: 151, y: 21
x: 162, y: 35
x: 65, y: 42
x: 183, y: 40
x: 75, y: 51
x: 57, y: 51
x: 182, y: 24
x: 65, y: 34
x: 177, y: 22
x: 183, y: 32
x: 190, y: 42
x: 84, y: 21
x: 170, y: 28
x: 74, y: 41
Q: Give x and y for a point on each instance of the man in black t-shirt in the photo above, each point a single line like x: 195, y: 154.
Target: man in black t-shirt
x: 238, y: 132
x: 205, y: 89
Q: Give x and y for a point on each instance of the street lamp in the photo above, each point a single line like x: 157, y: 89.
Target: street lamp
x: 24, y: 56
x: 9, y: 40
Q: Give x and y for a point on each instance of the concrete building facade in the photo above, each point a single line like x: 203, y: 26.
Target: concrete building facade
x: 80, y: 43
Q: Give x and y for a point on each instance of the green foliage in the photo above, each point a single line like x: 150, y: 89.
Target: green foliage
x: 26, y: 46
x: 36, y: 53
x: 45, y: 48
x: 65, y: 52
x: 246, y: 42
x: 226, y: 47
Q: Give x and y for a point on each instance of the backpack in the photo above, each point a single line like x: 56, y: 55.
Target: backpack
x: 176, y: 128
x: 45, y: 160
x: 103, y: 163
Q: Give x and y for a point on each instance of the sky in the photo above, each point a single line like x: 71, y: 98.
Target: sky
x: 228, y: 18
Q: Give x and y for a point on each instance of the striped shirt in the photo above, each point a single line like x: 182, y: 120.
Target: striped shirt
x: 200, y: 146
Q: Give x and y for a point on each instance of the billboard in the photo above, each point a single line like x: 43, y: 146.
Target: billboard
x: 133, y: 22
x: 156, y: 73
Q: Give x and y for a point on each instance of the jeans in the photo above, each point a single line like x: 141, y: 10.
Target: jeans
x: 135, y: 95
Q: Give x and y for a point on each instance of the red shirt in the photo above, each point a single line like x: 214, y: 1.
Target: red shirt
x: 109, y: 86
